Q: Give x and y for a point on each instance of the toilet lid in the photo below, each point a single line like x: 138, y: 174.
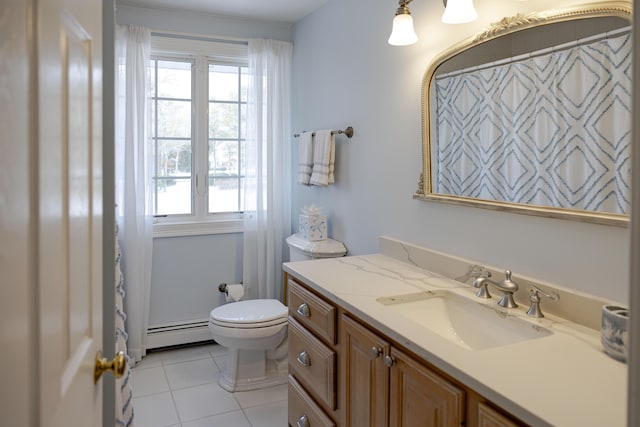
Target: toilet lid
x: 327, y: 248
x: 261, y: 312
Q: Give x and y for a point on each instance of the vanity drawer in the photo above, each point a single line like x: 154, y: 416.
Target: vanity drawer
x: 303, y: 411
x: 313, y: 312
x: 312, y: 363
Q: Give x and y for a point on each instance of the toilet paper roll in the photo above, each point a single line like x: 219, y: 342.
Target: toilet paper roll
x: 234, y: 292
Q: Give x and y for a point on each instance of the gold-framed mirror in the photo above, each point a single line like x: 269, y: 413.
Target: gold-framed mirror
x: 533, y: 115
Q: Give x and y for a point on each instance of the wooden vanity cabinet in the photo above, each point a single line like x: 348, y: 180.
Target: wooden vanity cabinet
x: 344, y: 373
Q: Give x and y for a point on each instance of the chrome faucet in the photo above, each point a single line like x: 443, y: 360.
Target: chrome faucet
x: 507, y: 286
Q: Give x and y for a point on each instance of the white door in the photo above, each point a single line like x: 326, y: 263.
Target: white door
x: 69, y: 234
x: 53, y: 123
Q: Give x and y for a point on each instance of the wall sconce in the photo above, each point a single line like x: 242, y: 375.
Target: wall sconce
x: 459, y: 12
x: 402, y: 33
x: 455, y: 12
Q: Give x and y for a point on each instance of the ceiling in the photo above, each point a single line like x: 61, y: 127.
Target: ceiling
x: 267, y: 10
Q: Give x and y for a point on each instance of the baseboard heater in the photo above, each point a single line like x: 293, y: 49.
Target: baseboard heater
x: 177, y: 333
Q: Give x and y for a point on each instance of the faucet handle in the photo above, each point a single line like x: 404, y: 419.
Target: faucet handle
x: 534, y: 309
x: 478, y: 271
x: 473, y: 271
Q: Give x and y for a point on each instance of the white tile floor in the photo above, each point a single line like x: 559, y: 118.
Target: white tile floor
x: 179, y: 388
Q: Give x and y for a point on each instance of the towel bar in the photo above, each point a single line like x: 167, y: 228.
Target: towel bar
x: 348, y: 131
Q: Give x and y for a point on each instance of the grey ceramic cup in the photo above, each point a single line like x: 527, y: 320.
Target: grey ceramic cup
x: 615, y: 331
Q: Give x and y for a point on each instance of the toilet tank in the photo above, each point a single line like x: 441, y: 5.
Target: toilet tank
x: 301, y: 249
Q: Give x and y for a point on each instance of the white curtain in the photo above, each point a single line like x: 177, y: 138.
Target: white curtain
x: 133, y: 180
x: 267, y: 184
x: 552, y: 129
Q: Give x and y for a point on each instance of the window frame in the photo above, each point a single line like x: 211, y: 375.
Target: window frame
x: 202, y: 51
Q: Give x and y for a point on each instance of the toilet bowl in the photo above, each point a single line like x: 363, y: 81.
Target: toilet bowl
x: 255, y: 334
x: 255, y: 331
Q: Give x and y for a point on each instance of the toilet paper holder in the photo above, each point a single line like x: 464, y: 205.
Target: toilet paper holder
x: 222, y: 287
x: 233, y: 292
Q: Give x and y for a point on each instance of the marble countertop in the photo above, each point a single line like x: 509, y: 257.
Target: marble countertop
x: 564, y: 379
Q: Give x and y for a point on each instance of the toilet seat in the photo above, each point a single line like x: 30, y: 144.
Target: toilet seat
x: 249, y: 314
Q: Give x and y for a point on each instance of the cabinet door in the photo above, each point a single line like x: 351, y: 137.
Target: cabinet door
x: 489, y: 417
x: 366, y: 378
x: 420, y: 397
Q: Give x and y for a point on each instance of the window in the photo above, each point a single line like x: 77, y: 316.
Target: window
x: 198, y: 113
x: 172, y: 134
x: 227, y: 117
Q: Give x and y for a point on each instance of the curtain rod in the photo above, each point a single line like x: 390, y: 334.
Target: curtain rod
x: 348, y: 131
x: 199, y: 38
x: 567, y: 45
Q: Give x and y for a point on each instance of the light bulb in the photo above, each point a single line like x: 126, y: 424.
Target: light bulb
x: 459, y: 12
x: 402, y: 33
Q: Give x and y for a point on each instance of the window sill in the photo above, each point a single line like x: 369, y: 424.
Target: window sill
x: 178, y: 229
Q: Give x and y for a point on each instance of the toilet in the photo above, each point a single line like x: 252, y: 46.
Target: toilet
x: 255, y: 331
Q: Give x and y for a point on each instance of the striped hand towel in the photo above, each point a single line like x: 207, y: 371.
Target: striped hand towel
x: 305, y: 157
x: 323, y: 158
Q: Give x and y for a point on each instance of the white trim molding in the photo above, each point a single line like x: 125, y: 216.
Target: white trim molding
x: 178, y: 229
x: 178, y: 333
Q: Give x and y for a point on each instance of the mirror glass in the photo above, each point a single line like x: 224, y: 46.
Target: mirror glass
x: 533, y: 115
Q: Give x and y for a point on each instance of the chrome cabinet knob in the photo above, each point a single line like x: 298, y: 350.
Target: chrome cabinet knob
x: 303, y: 310
x: 304, y: 359
x: 375, y: 352
x: 303, y: 421
x: 389, y: 361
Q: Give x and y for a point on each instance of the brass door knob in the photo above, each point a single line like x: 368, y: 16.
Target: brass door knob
x: 117, y: 365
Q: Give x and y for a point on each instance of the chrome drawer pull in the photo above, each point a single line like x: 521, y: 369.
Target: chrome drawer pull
x: 303, y: 359
x: 303, y: 421
x: 303, y: 310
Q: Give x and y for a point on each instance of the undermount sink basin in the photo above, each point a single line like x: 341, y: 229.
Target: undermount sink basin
x: 468, y: 323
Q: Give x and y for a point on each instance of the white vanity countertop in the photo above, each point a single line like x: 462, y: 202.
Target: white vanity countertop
x: 564, y: 379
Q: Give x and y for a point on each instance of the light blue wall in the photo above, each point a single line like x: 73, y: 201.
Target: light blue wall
x: 186, y: 274
x: 345, y: 73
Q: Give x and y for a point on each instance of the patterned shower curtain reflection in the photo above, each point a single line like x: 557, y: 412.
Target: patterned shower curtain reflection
x: 123, y: 404
x: 552, y: 129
